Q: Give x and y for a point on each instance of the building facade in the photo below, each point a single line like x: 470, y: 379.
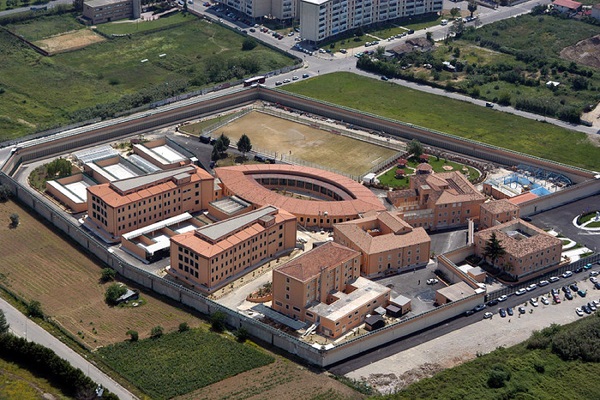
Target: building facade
x: 323, y: 287
x: 210, y: 257
x: 321, y: 19
x: 528, y: 249
x: 129, y: 204
x: 101, y: 11
x: 438, y: 200
x: 497, y: 212
x: 387, y: 244
x: 272, y: 9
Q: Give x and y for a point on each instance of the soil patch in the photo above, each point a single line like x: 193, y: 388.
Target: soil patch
x: 586, y: 52
x: 69, y: 41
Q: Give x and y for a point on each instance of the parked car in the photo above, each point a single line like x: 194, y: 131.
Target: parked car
x: 593, y: 279
x: 545, y: 300
x: 586, y: 309
x: 488, y: 315
x: 305, y: 75
x: 544, y: 283
x: 520, y: 292
x: 597, y: 285
x: 533, y: 302
x: 479, y: 307
x: 469, y: 312
x: 287, y: 80
x: 489, y: 105
x: 574, y: 287
x: 502, y: 312
x: 278, y: 83
x: 587, y: 266
x: 492, y: 303
x: 509, y: 311
x: 565, y: 289
x: 555, y: 292
x: 578, y: 270
x: 556, y: 299
x: 569, y: 296
x: 502, y: 298
x: 579, y: 311
x: 592, y: 306
x: 295, y: 78
x: 582, y: 293
x: 384, y: 78
x: 432, y: 281
x: 554, y: 279
x: 567, y: 274
x: 594, y: 273
x: 343, y: 51
x: 531, y: 287
x: 521, y: 310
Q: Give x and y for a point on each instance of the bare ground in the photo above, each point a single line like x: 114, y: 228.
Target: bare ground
x: 69, y: 41
x: 586, y: 52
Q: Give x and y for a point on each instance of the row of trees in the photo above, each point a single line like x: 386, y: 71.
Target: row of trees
x: 222, y: 144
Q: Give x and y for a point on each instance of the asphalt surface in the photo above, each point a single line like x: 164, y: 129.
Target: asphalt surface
x: 22, y: 326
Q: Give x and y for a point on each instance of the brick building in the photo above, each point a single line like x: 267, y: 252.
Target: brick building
x: 101, y: 11
x: 497, y: 212
x: 387, y: 244
x: 214, y: 255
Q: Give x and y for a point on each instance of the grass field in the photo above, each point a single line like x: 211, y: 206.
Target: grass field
x: 108, y: 77
x: 306, y: 143
x: 389, y: 177
x: 180, y: 362
x: 535, y: 370
x: 453, y: 117
x: 18, y: 383
x: 46, y: 268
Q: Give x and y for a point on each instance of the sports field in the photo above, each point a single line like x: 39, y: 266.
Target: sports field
x: 69, y: 41
x: 302, y: 142
x: 37, y: 264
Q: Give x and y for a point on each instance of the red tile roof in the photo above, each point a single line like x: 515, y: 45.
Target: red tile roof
x: 573, y: 5
x: 523, y: 198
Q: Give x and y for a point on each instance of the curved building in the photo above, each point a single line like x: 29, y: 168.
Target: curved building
x: 317, y: 198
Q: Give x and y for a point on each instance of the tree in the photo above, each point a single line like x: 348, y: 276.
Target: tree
x: 415, y: 148
x: 34, y: 309
x: 429, y: 37
x: 215, y: 155
x: 113, y: 293
x: 184, y: 327
x: 78, y: 5
x: 3, y: 323
x: 472, y: 7
x: 222, y: 144
x: 379, y: 52
x: 241, y: 335
x: 156, y: 332
x: 498, y: 375
x: 5, y: 193
x: 454, y: 12
x: 14, y: 220
x: 244, y: 145
x: 108, y: 274
x: 493, y: 249
x: 133, y: 335
x: 248, y: 44
x: 217, y: 321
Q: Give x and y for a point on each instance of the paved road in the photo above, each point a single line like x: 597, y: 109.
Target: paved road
x: 21, y: 326
x: 50, y: 4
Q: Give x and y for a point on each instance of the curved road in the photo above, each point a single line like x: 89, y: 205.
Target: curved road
x: 22, y: 326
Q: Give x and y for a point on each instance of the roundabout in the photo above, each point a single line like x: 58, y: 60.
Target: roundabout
x: 589, y: 221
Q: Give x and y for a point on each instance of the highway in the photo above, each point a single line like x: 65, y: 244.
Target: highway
x: 22, y: 326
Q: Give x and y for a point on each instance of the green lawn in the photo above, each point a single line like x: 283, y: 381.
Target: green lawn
x: 389, y: 177
x: 533, y: 368
x: 46, y: 26
x: 108, y: 77
x: 453, y: 117
x: 125, y: 27
x: 178, y: 363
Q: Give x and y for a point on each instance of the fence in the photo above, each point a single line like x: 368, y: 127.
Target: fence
x: 229, y: 119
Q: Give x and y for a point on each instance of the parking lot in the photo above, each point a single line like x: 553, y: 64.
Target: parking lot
x: 480, y: 337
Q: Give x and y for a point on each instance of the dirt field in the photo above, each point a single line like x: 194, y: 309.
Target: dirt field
x: 272, y: 134
x: 69, y: 41
x: 37, y: 264
x: 586, y: 52
x: 282, y: 379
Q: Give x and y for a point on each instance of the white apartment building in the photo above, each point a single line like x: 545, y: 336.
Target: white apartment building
x: 321, y: 19
x: 278, y: 9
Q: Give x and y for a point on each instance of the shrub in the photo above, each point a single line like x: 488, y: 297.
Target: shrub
x: 108, y: 274
x: 5, y: 193
x: 34, y: 309
x: 249, y: 44
x: 217, y: 321
x: 242, y: 335
x: 499, y: 374
x: 14, y: 220
x: 156, y: 332
x: 184, y: 327
x: 133, y: 335
x: 113, y: 293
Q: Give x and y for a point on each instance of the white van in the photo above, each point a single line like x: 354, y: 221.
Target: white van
x: 444, y: 22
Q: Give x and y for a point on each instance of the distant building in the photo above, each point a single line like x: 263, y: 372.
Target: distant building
x: 497, y: 212
x: 567, y: 6
x: 270, y: 9
x: 595, y: 12
x: 129, y: 204
x: 101, y: 11
x: 387, y: 244
x: 437, y: 200
x: 321, y: 19
x: 528, y: 248
x: 323, y: 287
x: 212, y: 256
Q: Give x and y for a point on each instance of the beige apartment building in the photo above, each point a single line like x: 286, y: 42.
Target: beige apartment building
x: 129, y: 204
x: 528, y: 248
x: 323, y: 288
x: 387, y: 243
x: 210, y: 257
x: 438, y: 200
x: 497, y: 212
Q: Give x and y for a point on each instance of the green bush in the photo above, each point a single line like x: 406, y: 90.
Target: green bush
x: 184, y: 327
x: 580, y: 342
x: 498, y: 375
x: 217, y: 321
x: 113, y: 293
x: 34, y: 309
x: 108, y: 274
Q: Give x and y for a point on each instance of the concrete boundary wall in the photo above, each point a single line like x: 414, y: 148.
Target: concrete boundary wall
x: 323, y: 357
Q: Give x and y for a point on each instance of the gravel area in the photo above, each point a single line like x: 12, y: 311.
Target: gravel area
x: 401, y: 369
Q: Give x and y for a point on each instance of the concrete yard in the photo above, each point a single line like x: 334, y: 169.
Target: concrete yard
x: 462, y: 345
